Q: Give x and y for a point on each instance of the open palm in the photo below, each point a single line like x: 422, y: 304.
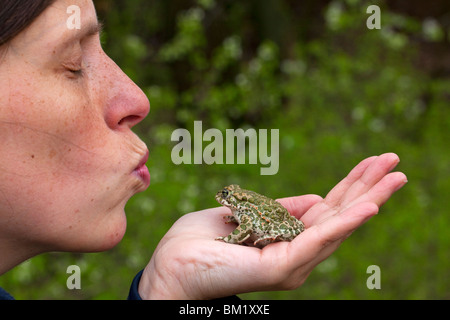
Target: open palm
x: 189, y: 264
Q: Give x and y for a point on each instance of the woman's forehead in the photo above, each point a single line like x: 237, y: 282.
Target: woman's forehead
x: 52, y: 27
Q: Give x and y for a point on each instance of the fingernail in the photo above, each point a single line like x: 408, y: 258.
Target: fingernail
x: 397, y: 161
x: 402, y: 185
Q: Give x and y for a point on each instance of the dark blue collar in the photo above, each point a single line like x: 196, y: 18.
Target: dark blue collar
x: 134, y: 293
x: 5, y: 295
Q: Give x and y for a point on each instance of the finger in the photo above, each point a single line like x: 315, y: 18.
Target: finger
x: 384, y: 189
x: 319, y: 241
x: 350, y: 188
x: 297, y: 206
x: 335, y: 195
x: 372, y: 175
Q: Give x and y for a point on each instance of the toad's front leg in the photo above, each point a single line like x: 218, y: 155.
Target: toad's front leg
x: 241, y: 233
x: 230, y: 219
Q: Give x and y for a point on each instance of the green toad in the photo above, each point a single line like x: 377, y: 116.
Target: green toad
x: 260, y: 220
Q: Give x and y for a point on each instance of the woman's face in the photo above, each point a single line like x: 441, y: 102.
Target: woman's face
x: 69, y: 160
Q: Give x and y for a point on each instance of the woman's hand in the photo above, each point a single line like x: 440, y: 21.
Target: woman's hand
x: 189, y: 264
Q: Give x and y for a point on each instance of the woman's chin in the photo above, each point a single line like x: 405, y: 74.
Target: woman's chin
x: 111, y: 235
x: 96, y: 237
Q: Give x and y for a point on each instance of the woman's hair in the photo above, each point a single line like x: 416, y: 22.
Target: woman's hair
x: 16, y: 15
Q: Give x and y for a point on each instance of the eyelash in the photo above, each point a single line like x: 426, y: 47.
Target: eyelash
x: 78, y: 72
x: 75, y: 73
x: 75, y: 68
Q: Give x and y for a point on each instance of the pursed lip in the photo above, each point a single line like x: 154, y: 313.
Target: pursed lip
x: 142, y: 171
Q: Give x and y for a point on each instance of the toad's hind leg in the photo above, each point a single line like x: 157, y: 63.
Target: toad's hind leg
x: 241, y: 233
x: 281, y: 232
x: 265, y: 241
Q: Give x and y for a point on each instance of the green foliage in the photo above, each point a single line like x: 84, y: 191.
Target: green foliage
x: 337, y: 91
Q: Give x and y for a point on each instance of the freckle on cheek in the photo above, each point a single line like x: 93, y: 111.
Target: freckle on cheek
x: 52, y: 154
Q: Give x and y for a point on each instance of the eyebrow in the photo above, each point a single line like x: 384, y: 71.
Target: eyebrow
x: 91, y: 29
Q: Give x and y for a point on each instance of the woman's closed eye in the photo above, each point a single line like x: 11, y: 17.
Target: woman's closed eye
x: 78, y: 71
x: 74, y: 66
x: 74, y: 70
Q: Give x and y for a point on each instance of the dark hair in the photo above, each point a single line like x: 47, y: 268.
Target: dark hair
x: 16, y: 15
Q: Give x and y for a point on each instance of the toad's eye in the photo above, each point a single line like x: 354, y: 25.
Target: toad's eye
x: 225, y: 193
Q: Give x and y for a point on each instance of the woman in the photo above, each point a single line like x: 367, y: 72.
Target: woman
x: 70, y: 162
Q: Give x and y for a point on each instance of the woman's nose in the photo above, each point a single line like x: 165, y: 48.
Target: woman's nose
x: 127, y: 105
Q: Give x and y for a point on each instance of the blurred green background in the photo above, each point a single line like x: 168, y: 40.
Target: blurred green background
x: 337, y: 91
